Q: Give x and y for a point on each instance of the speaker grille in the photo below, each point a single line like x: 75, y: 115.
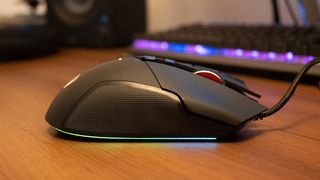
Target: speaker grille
x: 75, y: 12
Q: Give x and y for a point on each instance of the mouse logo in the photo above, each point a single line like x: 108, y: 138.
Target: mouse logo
x: 71, y: 81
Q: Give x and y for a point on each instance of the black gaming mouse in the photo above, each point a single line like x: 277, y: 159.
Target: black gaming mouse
x: 149, y: 98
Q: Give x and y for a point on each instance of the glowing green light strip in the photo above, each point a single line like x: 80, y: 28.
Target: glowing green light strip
x: 137, y: 138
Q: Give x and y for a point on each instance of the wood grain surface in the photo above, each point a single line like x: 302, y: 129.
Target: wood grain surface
x: 283, y: 146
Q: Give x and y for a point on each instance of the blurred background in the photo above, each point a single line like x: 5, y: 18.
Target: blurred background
x: 277, y: 36
x: 164, y: 14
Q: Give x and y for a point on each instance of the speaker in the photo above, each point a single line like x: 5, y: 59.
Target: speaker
x: 97, y: 23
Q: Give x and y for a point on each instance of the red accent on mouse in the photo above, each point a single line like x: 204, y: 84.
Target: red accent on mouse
x: 209, y: 75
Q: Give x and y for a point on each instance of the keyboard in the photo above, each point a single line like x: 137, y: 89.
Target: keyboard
x: 278, y: 49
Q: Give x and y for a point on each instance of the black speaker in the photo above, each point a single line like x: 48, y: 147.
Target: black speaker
x: 97, y: 22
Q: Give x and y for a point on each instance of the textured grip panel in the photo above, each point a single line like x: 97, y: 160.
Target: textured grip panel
x: 131, y: 109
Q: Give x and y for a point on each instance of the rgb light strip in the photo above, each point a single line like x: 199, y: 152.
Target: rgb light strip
x: 203, y: 50
x: 140, y: 138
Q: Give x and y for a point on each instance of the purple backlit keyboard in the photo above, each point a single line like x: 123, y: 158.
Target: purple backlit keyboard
x: 279, y: 49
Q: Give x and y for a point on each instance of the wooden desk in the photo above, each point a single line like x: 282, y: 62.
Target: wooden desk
x: 283, y: 146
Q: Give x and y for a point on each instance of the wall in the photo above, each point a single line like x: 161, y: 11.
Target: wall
x: 10, y: 8
x: 169, y: 13
x: 163, y: 14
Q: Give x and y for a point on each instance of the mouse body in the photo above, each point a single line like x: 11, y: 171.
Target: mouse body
x: 152, y: 98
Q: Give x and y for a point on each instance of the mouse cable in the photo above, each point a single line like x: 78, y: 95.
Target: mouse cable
x: 290, y: 90
x: 276, y: 16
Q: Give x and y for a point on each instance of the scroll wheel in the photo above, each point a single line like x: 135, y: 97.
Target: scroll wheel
x: 209, y: 75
